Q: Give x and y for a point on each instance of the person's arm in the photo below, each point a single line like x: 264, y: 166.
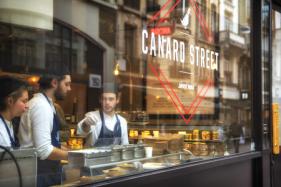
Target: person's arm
x: 25, y: 130
x: 95, y: 127
x: 124, y: 138
x: 81, y: 129
x: 58, y: 154
x: 42, y: 121
x: 84, y: 128
x: 88, y: 124
x: 65, y: 148
x: 2, y: 138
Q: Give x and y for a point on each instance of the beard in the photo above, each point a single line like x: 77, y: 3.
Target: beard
x: 108, y: 109
x: 59, y: 95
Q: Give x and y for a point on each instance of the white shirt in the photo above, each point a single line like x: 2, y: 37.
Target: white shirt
x: 4, y: 136
x: 110, y: 122
x: 36, y: 126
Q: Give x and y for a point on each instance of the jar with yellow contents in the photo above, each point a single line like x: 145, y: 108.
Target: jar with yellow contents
x: 75, y: 142
x: 206, y: 135
x: 195, y: 134
x: 188, y: 136
x: 215, y: 135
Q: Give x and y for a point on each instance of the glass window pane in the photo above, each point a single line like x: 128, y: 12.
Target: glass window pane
x: 183, y: 70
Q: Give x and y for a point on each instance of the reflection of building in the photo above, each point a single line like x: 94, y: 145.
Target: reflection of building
x: 95, y: 37
x: 96, y: 48
x: 83, y: 48
x: 128, y: 54
x: 227, y: 22
x: 276, y: 87
x: 235, y: 59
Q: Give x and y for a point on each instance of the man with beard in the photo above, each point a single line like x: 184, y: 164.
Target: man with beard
x: 104, y: 127
x: 39, y: 128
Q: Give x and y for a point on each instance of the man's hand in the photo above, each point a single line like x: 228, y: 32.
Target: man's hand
x: 64, y: 148
x: 90, y: 120
x: 58, y: 154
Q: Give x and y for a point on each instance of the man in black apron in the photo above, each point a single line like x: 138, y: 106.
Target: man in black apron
x: 104, y: 127
x: 45, y: 127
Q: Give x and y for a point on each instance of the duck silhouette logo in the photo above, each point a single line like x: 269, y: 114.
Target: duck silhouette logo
x: 185, y: 20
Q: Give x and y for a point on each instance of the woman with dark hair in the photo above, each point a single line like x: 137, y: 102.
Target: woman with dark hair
x: 13, y: 102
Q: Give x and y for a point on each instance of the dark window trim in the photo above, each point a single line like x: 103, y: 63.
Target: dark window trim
x: 260, y: 164
x: 257, y: 74
x: 81, y: 33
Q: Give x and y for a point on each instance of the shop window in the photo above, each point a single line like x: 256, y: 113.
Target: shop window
x: 106, y: 27
x: 201, y: 23
x: 245, y: 74
x: 228, y: 69
x: 185, y: 94
x: 62, y: 47
x: 132, y: 4
x: 181, y: 12
x: 152, y: 6
x: 214, y: 22
x: 228, y: 21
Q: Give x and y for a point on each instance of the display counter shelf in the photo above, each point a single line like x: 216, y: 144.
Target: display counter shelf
x: 180, y: 156
x: 97, y: 172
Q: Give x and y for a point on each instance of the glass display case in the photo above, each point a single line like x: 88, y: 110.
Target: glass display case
x: 209, y: 140
x: 97, y: 164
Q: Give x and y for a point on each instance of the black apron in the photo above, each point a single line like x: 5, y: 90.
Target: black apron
x: 108, y: 137
x: 49, y: 172
x: 14, y: 143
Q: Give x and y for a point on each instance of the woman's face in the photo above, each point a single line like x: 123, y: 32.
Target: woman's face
x: 19, y: 106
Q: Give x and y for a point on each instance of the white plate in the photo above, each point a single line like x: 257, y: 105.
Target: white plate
x: 153, y: 165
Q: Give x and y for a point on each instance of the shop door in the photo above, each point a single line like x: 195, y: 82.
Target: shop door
x: 276, y: 96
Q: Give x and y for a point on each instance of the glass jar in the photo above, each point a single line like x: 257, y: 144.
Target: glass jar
x: 188, y: 136
x: 206, y: 135
x: 195, y: 134
x: 215, y: 135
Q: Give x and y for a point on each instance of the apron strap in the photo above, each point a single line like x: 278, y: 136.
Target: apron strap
x: 14, y: 144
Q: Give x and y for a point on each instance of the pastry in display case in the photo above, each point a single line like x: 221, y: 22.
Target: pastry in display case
x: 160, y: 147
x: 201, y: 140
x: 204, y: 149
x: 165, y: 143
x: 75, y: 142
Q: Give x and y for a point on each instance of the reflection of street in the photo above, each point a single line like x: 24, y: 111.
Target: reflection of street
x: 179, y: 106
x: 242, y: 148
